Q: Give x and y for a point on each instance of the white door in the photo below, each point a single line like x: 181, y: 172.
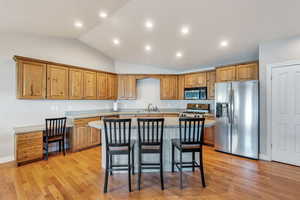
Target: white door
x: 286, y: 114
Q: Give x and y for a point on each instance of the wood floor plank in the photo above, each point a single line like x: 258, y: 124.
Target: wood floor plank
x: 80, y: 176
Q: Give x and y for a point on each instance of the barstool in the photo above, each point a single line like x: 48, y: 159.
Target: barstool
x: 118, y: 142
x: 191, y: 132
x: 55, y: 132
x: 150, y: 141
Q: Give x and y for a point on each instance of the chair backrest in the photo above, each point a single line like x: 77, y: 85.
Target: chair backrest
x: 55, y: 127
x: 150, y: 131
x: 191, y: 130
x: 117, y: 132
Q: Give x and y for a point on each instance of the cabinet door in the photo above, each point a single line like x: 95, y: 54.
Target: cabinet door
x: 102, y: 92
x: 57, y: 82
x: 31, y: 80
x: 209, y: 136
x: 90, y: 85
x: 168, y: 87
x: 95, y: 136
x: 112, y: 86
x: 224, y: 74
x: 126, y: 87
x: 189, y: 80
x: 181, y: 84
x: 247, y: 72
x: 75, y: 84
x: 200, y: 79
x: 211, y: 79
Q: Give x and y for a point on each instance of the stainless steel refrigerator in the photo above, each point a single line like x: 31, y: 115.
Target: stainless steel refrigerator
x: 236, y: 113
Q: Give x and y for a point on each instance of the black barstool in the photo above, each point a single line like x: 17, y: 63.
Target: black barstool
x: 55, y: 132
x: 191, y: 132
x: 150, y: 140
x: 118, y: 142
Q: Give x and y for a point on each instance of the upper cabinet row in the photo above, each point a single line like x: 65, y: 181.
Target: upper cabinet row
x: 48, y: 81
x: 241, y: 72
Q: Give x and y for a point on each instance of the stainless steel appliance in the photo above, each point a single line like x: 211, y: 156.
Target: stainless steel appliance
x: 196, y: 110
x: 237, y: 118
x: 195, y: 93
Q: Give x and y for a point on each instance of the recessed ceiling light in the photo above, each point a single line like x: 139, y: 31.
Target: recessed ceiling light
x: 185, y: 30
x: 116, y: 41
x: 103, y: 14
x: 149, y: 24
x: 224, y: 43
x: 148, y: 48
x: 78, y: 24
x: 179, y: 54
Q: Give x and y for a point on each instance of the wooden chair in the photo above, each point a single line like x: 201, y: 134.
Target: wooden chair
x: 55, y: 132
x: 191, y: 132
x: 118, y: 142
x: 150, y: 141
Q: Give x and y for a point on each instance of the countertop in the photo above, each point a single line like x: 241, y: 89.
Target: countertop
x: 72, y: 115
x: 102, y: 113
x: 170, y: 122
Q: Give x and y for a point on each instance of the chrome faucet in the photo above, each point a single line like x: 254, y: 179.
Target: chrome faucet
x: 152, y: 108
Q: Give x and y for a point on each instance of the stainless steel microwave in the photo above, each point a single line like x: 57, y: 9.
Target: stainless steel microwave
x: 199, y: 93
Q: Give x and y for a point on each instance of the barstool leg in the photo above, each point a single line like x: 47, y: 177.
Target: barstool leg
x: 181, y: 185
x: 173, y: 157
x: 132, y: 162
x: 161, y: 171
x: 139, y: 168
x: 106, y: 173
x: 111, y: 164
x: 193, y: 158
x: 129, y: 172
x: 202, y: 169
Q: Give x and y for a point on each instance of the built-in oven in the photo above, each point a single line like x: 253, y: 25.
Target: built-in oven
x: 199, y: 93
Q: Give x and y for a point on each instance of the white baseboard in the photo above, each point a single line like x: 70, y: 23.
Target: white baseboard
x: 6, y: 159
x: 264, y: 157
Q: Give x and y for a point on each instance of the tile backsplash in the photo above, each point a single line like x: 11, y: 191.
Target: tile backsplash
x: 148, y: 91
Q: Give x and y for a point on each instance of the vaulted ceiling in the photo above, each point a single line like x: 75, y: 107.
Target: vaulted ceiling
x: 243, y: 24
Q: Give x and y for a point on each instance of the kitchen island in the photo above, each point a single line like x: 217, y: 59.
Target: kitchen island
x: 171, y: 130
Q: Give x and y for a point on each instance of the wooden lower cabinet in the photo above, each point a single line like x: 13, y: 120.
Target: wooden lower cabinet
x: 84, y: 136
x: 209, y: 136
x: 29, y: 147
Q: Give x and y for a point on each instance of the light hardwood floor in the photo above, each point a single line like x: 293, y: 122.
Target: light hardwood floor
x: 79, y: 176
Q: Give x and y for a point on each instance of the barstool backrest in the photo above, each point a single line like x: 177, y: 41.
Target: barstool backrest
x: 191, y: 130
x: 117, y: 132
x: 150, y: 131
x: 55, y: 127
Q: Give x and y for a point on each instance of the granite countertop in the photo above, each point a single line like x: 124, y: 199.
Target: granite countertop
x: 34, y: 128
x: 72, y: 115
x: 170, y: 122
x: 95, y: 113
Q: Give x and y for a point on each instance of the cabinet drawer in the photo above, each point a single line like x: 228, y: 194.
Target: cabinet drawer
x: 29, y: 136
x: 85, y: 121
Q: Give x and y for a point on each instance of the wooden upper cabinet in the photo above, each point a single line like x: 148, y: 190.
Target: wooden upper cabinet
x: 247, y: 72
x: 126, y: 87
x: 112, y: 86
x: 102, y: 92
x: 211, y: 79
x: 181, y: 79
x: 168, y: 87
x: 31, y: 80
x: 224, y: 74
x: 89, y: 85
x: 195, y: 80
x: 57, y: 82
x: 75, y: 84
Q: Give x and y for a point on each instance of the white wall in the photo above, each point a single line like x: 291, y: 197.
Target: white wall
x: 126, y: 68
x: 148, y: 91
x: 270, y: 53
x: 15, y: 112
